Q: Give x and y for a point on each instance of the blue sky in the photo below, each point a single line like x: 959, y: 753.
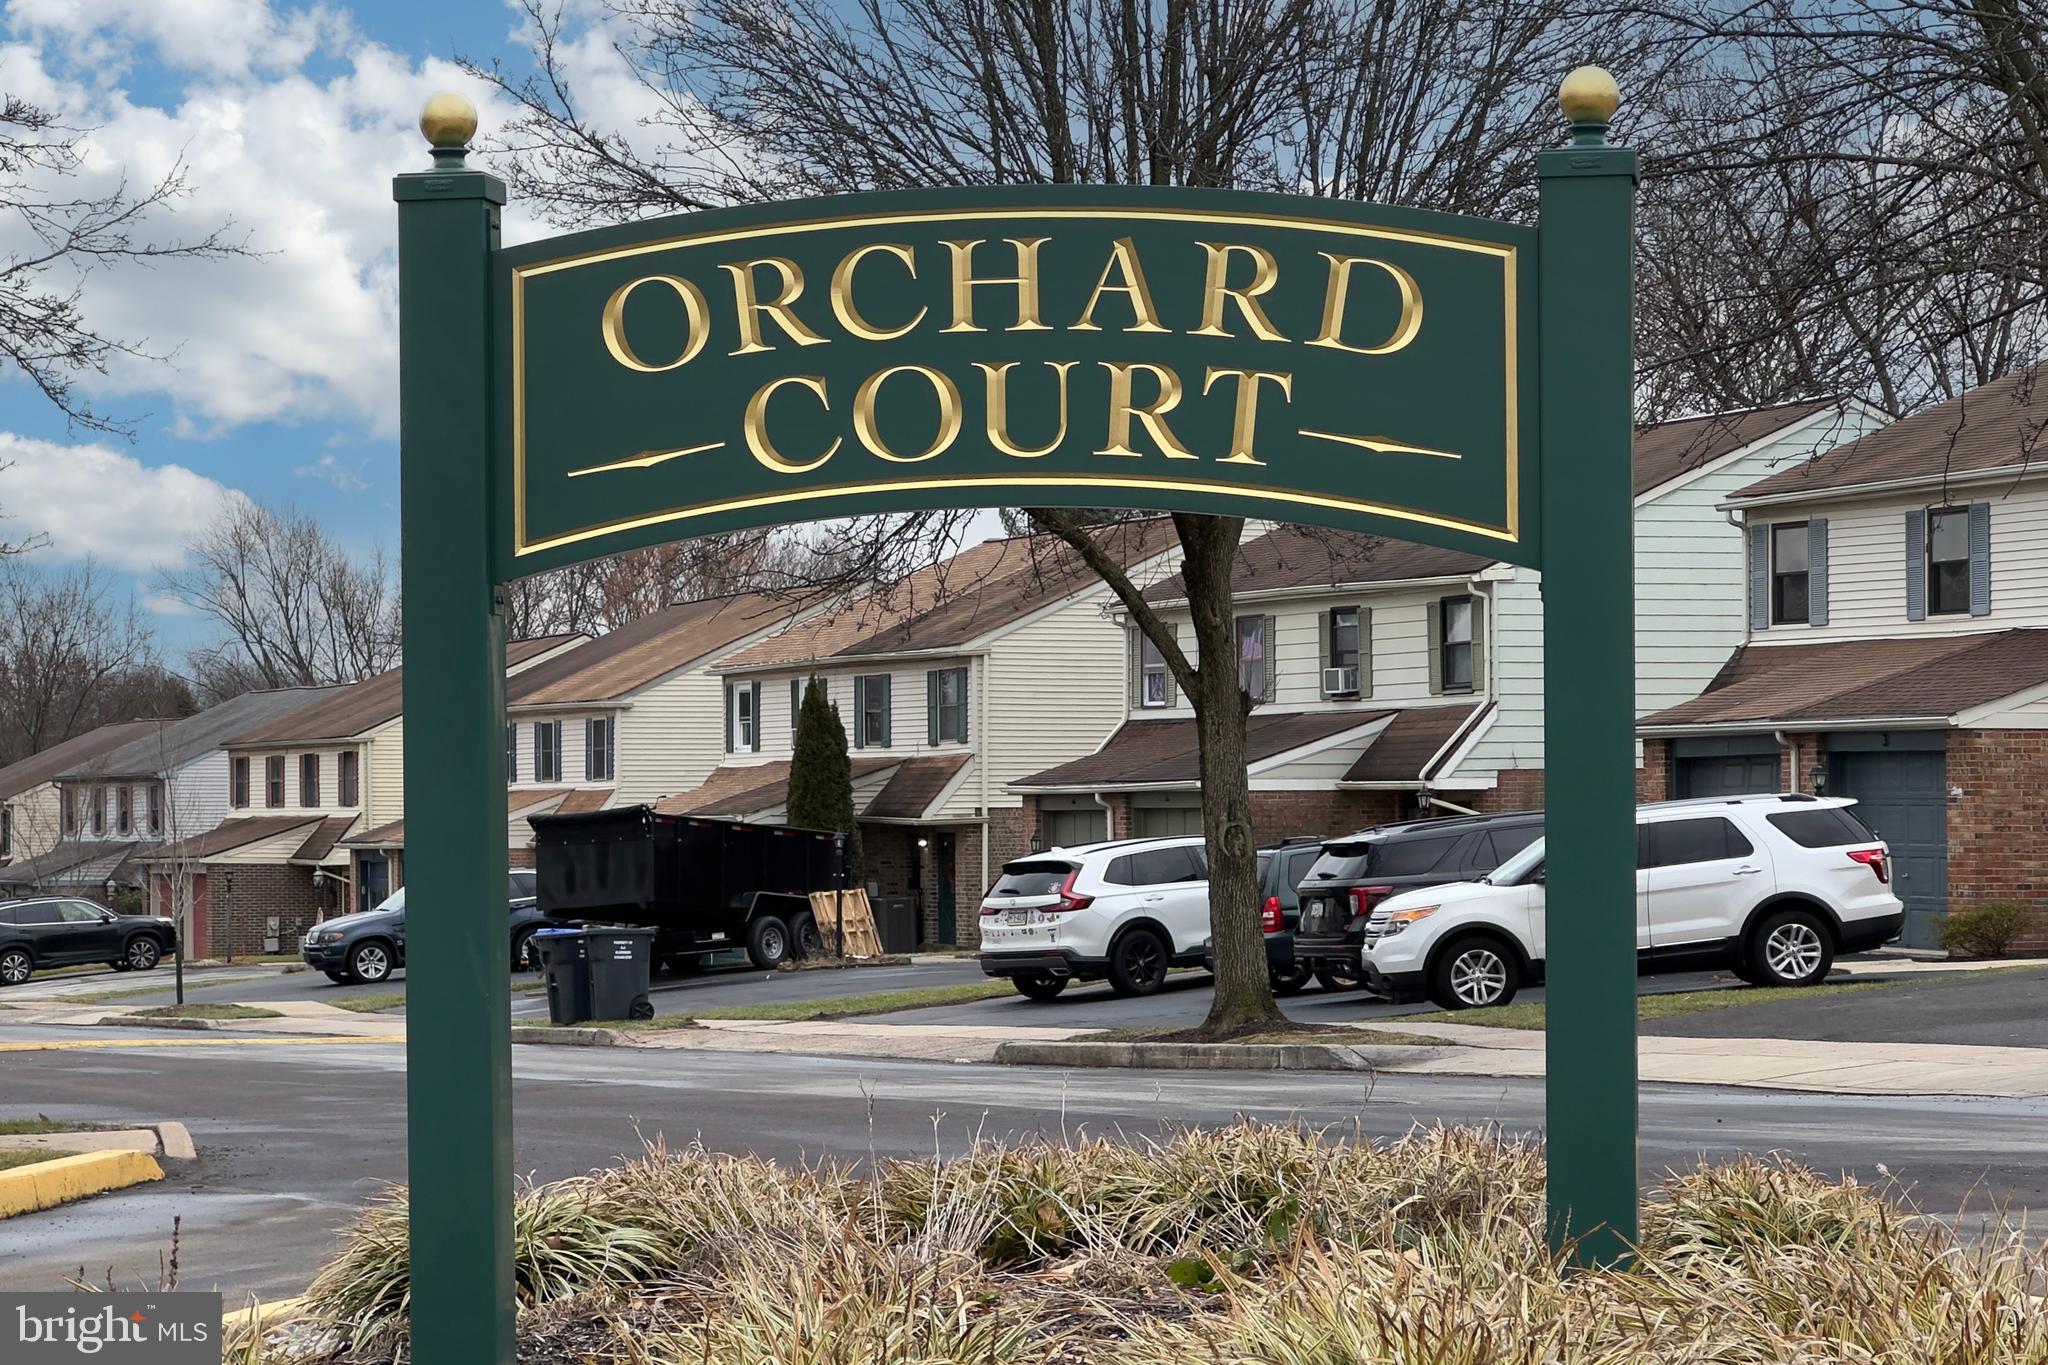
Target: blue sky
x: 290, y: 118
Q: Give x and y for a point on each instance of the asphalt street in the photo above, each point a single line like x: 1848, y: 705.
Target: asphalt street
x: 294, y: 1138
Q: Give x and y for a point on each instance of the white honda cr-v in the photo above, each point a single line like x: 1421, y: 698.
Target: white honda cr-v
x: 1127, y: 910
x: 1772, y: 887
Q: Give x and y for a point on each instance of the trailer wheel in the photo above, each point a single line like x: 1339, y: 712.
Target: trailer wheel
x: 805, y: 939
x: 767, y: 942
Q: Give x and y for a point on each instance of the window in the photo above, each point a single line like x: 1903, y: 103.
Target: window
x: 871, y: 711
x: 1788, y: 572
x: 1496, y: 846
x: 309, y: 781
x: 1255, y: 657
x: 1153, y: 867
x: 1033, y: 879
x: 946, y: 709
x: 68, y: 801
x: 1151, y: 673
x: 1455, y: 657
x: 78, y: 912
x: 6, y: 831
x: 97, y: 801
x: 547, y: 751
x: 1340, y: 650
x: 741, y: 734
x: 273, y: 780
x: 1948, y: 560
x: 597, y: 749
x: 1673, y: 843
x: 345, y: 786
x: 238, y: 782
x: 511, y: 754
x: 124, y: 809
x: 44, y: 913
x: 1824, y: 827
x: 153, y: 796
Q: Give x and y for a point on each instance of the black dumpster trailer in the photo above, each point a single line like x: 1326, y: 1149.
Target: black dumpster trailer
x: 703, y: 885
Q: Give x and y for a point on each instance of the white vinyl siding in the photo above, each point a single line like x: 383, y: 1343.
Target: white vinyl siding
x: 330, y: 770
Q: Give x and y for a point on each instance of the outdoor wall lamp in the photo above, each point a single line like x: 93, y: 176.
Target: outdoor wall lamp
x: 923, y: 842
x: 1819, y: 778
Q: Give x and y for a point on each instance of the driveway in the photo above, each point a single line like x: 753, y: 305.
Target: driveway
x: 1997, y: 1008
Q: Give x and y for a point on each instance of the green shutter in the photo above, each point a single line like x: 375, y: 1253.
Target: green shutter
x: 931, y: 706
x: 1135, y: 639
x: 1269, y: 644
x: 1435, y: 612
x: 756, y: 686
x: 728, y: 716
x: 1364, y: 652
x: 1323, y: 619
x: 888, y: 710
x: 963, y: 703
x: 1479, y: 606
x: 860, y: 712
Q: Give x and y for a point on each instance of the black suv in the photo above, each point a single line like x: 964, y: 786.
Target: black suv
x: 50, y: 933
x: 369, y: 945
x: 1282, y: 868
x: 1360, y: 870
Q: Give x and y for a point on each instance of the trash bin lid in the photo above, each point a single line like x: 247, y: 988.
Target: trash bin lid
x: 558, y: 933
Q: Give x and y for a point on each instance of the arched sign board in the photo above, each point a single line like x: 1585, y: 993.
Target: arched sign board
x: 1448, y: 380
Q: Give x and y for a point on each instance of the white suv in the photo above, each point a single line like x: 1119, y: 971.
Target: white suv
x: 1769, y: 886
x: 1126, y: 910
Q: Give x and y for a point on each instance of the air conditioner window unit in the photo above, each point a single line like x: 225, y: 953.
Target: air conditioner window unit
x: 1340, y: 682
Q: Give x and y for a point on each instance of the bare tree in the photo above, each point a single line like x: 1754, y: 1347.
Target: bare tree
x: 604, y: 594
x: 765, y: 99
x: 290, y: 605
x: 73, y: 657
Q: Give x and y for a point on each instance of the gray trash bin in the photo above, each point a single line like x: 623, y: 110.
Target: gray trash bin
x: 619, y: 961
x: 565, y: 963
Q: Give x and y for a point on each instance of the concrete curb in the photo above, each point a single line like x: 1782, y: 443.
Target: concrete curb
x: 1215, y: 1056
x: 131, y: 1021
x: 568, y: 1037
x: 46, y: 1184
x: 177, y: 1142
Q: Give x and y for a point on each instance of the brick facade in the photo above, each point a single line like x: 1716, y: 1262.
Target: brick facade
x: 242, y: 897
x: 1998, y: 827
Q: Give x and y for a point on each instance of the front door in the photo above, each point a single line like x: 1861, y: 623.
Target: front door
x: 942, y: 862
x: 373, y: 881
x: 1903, y: 795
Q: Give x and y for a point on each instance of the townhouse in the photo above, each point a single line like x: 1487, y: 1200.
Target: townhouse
x: 1394, y: 680
x: 31, y: 811
x: 952, y: 683
x: 1896, y: 649
x: 167, y: 780
x: 272, y: 860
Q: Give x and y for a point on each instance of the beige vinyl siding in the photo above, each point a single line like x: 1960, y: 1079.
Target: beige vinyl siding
x: 668, y: 739
x: 384, y: 775
x: 330, y: 773
x: 908, y: 730
x: 1691, y: 595
x: 1056, y: 690
x: 574, y: 750
x: 38, y: 816
x: 276, y: 849
x: 1867, y: 563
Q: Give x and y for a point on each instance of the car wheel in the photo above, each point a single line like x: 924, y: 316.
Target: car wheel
x: 1475, y: 973
x: 525, y: 957
x: 370, y: 961
x: 338, y: 978
x: 1292, y: 979
x: 1791, y: 948
x: 144, y: 953
x: 767, y: 942
x: 805, y: 940
x: 15, y: 965
x: 1332, y: 980
x: 1137, y: 963
x: 1040, y: 987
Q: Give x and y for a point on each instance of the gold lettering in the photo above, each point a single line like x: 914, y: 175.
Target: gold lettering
x: 1026, y: 280
x: 1123, y: 257
x: 999, y: 408
x: 755, y: 425
x: 615, y: 323
x: 1216, y: 289
x: 1405, y: 327
x: 864, y: 412
x: 842, y: 293
x: 1152, y: 415
x: 1245, y: 424
x: 751, y: 306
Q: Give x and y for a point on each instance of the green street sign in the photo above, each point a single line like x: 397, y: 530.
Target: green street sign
x: 1066, y: 345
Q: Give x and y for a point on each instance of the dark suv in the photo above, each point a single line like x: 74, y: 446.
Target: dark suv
x: 1359, y: 871
x: 369, y: 945
x: 1282, y: 868
x: 50, y: 933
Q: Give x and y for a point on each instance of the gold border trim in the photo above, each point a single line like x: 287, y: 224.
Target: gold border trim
x: 521, y: 546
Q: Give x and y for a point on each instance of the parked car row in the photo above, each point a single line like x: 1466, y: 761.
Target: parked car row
x: 1770, y: 887
x: 58, y: 932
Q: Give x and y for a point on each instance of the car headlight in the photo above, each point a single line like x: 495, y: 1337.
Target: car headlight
x: 1401, y: 919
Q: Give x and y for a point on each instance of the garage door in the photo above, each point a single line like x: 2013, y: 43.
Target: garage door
x: 1903, y: 795
x: 1724, y: 775
x: 1071, y: 828
x: 1158, y: 822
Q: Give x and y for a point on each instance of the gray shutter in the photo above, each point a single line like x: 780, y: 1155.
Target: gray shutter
x: 1759, y: 576
x: 1269, y: 644
x: 860, y: 711
x: 1479, y: 607
x: 728, y: 716
x: 1817, y: 571
x: 931, y: 706
x: 888, y: 711
x: 1435, y: 612
x: 1916, y: 564
x: 1136, y: 640
x: 1364, y: 652
x: 757, y: 715
x: 965, y: 710
x: 1322, y: 652
x: 1980, y: 559
x: 796, y: 706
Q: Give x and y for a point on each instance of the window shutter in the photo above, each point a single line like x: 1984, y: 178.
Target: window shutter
x: 1980, y: 559
x: 1322, y: 652
x: 756, y: 710
x: 1817, y: 571
x: 931, y: 707
x: 1364, y: 652
x: 1479, y: 606
x: 964, y: 708
x: 888, y: 710
x: 728, y: 716
x: 796, y: 707
x: 1136, y: 638
x: 860, y: 711
x: 1269, y: 645
x: 1916, y: 565
x: 1435, y: 612
x: 1759, y: 575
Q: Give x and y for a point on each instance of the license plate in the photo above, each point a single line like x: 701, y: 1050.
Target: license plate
x: 1018, y: 917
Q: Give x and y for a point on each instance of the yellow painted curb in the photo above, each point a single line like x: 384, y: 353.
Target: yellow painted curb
x: 46, y: 1184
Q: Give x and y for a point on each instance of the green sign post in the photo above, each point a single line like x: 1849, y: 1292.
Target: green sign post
x: 1455, y: 381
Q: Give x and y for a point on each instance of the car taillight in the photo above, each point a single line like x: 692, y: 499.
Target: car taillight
x: 1872, y: 858
x: 1068, y: 899
x: 1269, y: 915
x: 1364, y: 898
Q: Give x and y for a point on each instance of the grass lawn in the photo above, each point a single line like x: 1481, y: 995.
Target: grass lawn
x: 137, y: 992
x: 370, y: 1004
x: 39, y: 1124
x: 9, y: 1160
x: 843, y: 1007
x: 212, y: 1010
x: 1529, y: 1014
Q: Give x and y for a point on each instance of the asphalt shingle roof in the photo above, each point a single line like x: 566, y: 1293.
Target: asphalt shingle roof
x: 170, y: 745
x: 80, y: 751
x: 1142, y: 752
x: 634, y: 655
x: 1412, y: 738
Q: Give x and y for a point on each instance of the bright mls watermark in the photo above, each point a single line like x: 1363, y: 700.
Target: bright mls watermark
x: 119, y: 1329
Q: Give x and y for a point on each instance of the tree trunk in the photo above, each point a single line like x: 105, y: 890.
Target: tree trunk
x: 1244, y: 988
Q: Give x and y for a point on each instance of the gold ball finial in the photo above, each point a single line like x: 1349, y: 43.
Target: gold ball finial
x: 448, y: 121
x: 1589, y: 95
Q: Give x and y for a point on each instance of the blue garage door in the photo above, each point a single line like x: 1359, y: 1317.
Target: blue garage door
x: 1738, y: 766
x: 1902, y: 793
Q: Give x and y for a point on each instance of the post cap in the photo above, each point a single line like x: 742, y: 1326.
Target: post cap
x: 448, y: 121
x: 1588, y: 95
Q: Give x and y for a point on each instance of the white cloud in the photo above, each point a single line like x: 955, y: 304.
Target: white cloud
x: 223, y: 37
x: 163, y: 604
x: 93, y: 501
x: 327, y: 469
